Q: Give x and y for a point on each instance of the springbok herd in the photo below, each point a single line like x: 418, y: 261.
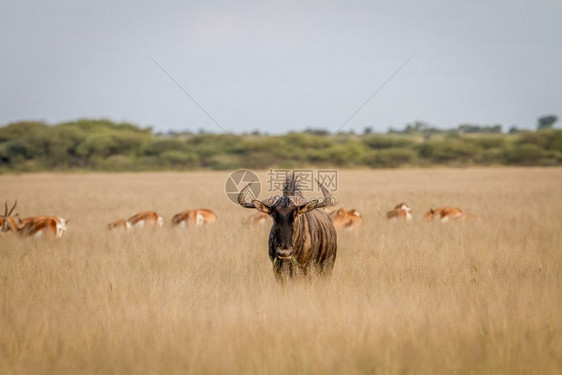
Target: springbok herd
x: 342, y: 219
x: 303, y: 234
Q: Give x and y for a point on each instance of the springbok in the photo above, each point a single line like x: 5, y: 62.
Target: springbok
x: 401, y: 212
x: 146, y: 218
x: 445, y: 214
x: 60, y: 223
x: 34, y: 226
x: 140, y: 220
x: 355, y: 219
x: 259, y: 218
x: 344, y: 219
x: 198, y: 217
x: 302, y: 238
x: 119, y: 224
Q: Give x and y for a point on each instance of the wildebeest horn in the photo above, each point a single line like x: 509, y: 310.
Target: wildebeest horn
x: 328, y: 199
x: 242, y: 197
x: 314, y: 203
x: 258, y: 205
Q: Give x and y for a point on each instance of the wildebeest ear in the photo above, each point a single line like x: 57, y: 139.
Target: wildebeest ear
x: 307, y: 207
x: 260, y: 206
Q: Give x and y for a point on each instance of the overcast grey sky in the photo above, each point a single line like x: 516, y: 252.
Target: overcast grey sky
x: 282, y: 65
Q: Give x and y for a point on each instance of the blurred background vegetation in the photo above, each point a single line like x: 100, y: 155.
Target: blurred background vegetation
x: 103, y: 145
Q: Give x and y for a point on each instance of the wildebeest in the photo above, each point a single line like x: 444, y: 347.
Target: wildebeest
x: 302, y: 238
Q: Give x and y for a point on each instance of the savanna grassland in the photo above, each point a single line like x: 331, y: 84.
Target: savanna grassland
x: 476, y: 298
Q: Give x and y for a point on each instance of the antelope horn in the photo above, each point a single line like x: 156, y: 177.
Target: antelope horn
x: 242, y: 197
x: 12, y: 210
x: 329, y: 200
x: 5, y: 208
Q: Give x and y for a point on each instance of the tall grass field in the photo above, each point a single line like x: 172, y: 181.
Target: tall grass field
x: 461, y: 297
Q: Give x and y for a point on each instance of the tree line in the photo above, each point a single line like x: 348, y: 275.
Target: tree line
x: 104, y: 145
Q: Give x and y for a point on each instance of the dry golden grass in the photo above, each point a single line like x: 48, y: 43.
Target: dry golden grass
x: 483, y: 297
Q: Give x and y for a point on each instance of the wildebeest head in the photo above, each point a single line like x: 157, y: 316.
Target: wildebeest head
x: 284, y: 211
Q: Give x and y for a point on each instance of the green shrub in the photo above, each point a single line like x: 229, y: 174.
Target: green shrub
x: 180, y: 158
x: 446, y: 151
x: 116, y: 163
x: 379, y: 142
x: 526, y: 154
x: 105, y: 145
x: 17, y: 130
x: 391, y: 158
x: 487, y: 142
x: 159, y: 146
x: 490, y: 157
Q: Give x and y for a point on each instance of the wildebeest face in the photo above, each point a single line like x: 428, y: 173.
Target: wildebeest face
x: 284, y: 215
x: 283, y: 220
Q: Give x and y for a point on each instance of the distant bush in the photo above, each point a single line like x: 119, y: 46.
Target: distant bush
x: 490, y: 156
x: 104, y: 145
x: 116, y: 163
x: 391, y: 158
x: 529, y: 154
x: 451, y: 150
x: 20, y: 129
x: 487, y: 142
x: 379, y: 142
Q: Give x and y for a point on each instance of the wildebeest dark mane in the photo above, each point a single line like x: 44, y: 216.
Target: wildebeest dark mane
x: 292, y: 185
x: 292, y: 191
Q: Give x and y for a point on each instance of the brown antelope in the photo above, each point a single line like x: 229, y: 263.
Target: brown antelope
x: 329, y: 210
x: 354, y: 219
x: 146, y: 218
x: 433, y: 213
x: 119, y: 224
x: 345, y: 219
x: 140, y: 220
x: 60, y: 223
x: 401, y: 212
x: 259, y: 218
x: 339, y: 217
x: 445, y: 214
x: 467, y: 217
x: 34, y: 226
x: 198, y: 217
